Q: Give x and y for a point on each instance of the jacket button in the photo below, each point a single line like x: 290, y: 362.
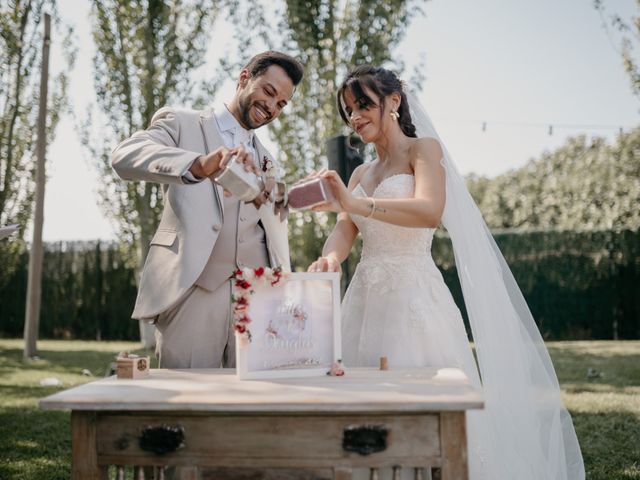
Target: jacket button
x: 215, y: 227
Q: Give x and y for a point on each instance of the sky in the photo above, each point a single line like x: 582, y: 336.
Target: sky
x: 516, y: 65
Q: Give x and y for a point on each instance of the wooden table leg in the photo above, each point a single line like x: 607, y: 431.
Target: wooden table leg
x: 453, y: 436
x: 84, y: 452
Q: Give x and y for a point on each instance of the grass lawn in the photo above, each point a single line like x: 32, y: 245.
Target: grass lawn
x: 36, y: 445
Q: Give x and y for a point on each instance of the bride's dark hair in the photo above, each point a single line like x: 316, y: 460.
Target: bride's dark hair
x: 382, y: 82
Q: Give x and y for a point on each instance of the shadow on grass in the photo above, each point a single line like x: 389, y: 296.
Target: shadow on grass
x: 35, y: 445
x: 610, y: 444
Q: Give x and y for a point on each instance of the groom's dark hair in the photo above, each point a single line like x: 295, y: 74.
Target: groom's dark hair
x: 259, y: 64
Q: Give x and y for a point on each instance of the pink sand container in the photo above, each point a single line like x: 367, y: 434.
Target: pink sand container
x: 310, y: 193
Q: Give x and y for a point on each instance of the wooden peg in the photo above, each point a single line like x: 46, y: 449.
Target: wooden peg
x: 384, y: 363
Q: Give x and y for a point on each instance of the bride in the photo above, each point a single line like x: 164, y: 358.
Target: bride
x: 397, y: 304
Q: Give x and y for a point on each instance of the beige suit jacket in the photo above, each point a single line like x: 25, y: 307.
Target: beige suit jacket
x: 193, y: 213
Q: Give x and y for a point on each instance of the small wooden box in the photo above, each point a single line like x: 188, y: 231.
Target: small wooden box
x: 132, y: 366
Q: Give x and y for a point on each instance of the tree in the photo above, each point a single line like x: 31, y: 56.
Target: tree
x: 583, y: 185
x: 20, y: 58
x: 146, y: 55
x: 629, y: 37
x: 329, y: 37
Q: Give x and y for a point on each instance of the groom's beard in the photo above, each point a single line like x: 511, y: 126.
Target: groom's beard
x: 245, y: 105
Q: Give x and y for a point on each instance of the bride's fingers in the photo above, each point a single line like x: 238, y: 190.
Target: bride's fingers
x: 323, y: 207
x: 320, y: 265
x: 333, y: 177
x: 332, y: 265
x: 313, y: 174
x: 319, y: 173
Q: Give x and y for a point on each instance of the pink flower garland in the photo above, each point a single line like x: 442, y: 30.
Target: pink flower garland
x: 243, y: 290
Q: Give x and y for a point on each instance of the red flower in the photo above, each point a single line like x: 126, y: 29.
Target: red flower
x: 244, y: 319
x: 258, y: 272
x: 240, y: 328
x: 243, y: 284
x: 241, y: 301
x: 238, y: 273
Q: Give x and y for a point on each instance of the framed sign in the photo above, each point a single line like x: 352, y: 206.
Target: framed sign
x: 287, y: 325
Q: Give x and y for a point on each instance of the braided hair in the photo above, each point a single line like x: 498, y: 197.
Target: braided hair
x: 382, y: 82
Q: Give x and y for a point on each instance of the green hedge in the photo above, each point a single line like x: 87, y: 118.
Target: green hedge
x: 88, y: 292
x: 579, y: 285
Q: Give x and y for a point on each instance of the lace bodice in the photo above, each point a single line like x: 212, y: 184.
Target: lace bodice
x: 381, y: 239
x: 397, y: 303
x: 392, y: 255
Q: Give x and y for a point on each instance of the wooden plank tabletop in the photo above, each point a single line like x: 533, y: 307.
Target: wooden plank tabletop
x: 366, y: 390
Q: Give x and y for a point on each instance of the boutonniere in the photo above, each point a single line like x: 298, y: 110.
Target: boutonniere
x: 268, y: 167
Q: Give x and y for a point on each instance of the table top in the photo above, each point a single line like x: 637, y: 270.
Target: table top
x: 363, y: 390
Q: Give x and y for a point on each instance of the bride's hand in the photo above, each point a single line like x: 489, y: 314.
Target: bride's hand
x: 325, y: 264
x: 342, y: 195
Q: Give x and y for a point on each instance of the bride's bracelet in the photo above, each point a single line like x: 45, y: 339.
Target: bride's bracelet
x: 373, y: 207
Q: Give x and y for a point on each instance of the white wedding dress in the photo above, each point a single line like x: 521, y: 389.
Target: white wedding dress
x: 397, y: 304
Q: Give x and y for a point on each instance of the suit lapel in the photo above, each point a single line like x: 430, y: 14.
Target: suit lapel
x: 212, y: 140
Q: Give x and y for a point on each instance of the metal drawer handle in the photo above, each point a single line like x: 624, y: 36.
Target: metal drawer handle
x: 161, y: 439
x: 365, y: 439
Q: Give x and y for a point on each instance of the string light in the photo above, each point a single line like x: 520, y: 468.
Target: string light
x: 550, y: 127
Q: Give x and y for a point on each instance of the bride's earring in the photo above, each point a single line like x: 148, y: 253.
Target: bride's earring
x: 395, y: 115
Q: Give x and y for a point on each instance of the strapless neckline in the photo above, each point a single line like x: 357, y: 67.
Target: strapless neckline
x: 373, y: 194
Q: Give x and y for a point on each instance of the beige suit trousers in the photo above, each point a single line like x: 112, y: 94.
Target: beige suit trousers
x: 198, y: 331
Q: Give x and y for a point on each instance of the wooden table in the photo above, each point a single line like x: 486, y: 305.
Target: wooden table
x: 209, y: 424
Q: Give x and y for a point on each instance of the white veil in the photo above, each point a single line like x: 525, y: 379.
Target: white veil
x: 524, y: 432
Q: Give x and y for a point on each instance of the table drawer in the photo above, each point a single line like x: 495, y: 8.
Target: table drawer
x: 272, y: 440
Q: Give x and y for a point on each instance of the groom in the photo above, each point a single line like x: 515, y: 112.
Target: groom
x: 205, y: 235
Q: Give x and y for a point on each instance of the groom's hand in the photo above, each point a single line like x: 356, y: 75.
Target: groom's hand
x: 208, y: 165
x: 325, y: 264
